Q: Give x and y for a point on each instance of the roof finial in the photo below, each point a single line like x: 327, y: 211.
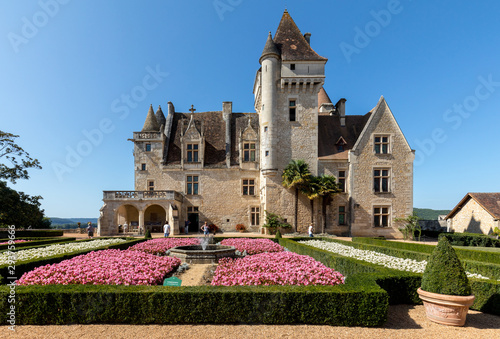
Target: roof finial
x: 192, y: 109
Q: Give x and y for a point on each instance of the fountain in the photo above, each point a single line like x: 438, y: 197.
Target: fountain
x: 204, y: 253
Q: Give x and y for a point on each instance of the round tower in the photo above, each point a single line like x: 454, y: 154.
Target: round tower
x: 270, y: 66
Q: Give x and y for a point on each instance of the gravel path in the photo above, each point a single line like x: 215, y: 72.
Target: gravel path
x: 404, y: 321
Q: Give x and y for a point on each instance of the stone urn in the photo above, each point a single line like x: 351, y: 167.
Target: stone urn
x: 446, y: 309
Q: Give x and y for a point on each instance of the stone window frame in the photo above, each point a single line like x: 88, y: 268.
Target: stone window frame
x: 250, y: 187
x: 292, y: 109
x: 381, y: 176
x: 195, y: 188
x: 381, y: 143
x: 342, y: 180
x: 194, y: 152
x: 249, y: 150
x: 254, y: 215
x: 148, y: 147
x: 378, y: 210
x: 150, y: 185
x: 143, y: 166
x: 344, y: 213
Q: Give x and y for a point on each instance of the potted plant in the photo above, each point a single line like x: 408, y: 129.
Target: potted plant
x: 445, y: 289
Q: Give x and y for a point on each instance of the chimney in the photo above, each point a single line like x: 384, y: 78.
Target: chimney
x: 227, y: 109
x: 340, y: 105
x: 308, y: 37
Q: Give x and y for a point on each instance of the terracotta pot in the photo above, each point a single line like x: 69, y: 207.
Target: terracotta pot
x: 446, y: 309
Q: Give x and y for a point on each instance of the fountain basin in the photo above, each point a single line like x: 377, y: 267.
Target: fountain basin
x: 195, y: 254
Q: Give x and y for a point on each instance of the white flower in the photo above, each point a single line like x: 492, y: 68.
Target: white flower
x: 52, y: 250
x: 385, y: 260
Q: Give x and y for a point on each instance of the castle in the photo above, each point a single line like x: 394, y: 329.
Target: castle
x: 225, y: 167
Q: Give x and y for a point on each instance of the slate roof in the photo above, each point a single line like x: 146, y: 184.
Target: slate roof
x: 160, y: 117
x: 292, y: 44
x: 213, y: 127
x: 489, y: 201
x: 270, y: 48
x: 329, y: 131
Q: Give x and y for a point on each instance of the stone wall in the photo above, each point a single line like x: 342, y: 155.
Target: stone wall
x: 473, y: 218
x: 399, y: 161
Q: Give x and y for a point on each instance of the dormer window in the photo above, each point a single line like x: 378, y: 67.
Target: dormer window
x: 249, y: 151
x: 340, y: 145
x: 192, y: 152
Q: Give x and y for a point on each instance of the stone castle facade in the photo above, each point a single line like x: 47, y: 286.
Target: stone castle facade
x: 225, y: 167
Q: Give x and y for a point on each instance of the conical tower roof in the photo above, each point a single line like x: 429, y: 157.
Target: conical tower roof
x: 151, y: 124
x: 323, y: 97
x: 270, y: 48
x: 160, y: 117
x: 292, y: 44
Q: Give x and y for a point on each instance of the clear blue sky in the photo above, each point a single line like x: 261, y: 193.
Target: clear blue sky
x: 66, y: 71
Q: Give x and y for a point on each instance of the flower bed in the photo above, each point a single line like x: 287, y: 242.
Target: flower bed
x: 161, y: 245
x: 253, y: 246
x: 52, y: 250
x: 14, y: 241
x: 373, y: 257
x: 282, y: 268
x: 107, y: 267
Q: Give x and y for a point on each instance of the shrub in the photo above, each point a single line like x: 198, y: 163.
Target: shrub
x: 240, y: 227
x: 278, y: 234
x: 213, y: 228
x: 470, y: 239
x: 444, y: 273
x: 147, y: 235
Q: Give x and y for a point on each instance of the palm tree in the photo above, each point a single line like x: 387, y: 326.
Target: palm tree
x: 296, y: 175
x: 326, y: 187
x: 312, y: 191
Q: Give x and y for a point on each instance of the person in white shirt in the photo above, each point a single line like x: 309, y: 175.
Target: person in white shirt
x: 311, y: 230
x: 166, y: 229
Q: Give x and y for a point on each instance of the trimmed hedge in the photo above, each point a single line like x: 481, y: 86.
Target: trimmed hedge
x: 26, y: 266
x: 4, y: 233
x: 471, y: 239
x: 463, y: 254
x: 360, y: 302
x: 401, y: 286
x: 394, y: 282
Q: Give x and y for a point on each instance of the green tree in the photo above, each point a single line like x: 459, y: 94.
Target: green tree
x: 20, y: 209
x: 17, y: 160
x: 296, y: 175
x: 324, y: 186
x: 410, y: 226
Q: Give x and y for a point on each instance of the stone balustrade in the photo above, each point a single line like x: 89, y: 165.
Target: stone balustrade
x: 142, y: 195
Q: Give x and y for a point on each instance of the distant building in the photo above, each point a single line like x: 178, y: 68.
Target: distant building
x: 225, y: 167
x: 476, y: 213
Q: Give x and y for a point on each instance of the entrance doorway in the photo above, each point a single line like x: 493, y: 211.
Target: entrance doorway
x: 193, y: 217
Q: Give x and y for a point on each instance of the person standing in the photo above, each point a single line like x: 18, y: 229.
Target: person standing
x: 205, y: 229
x: 125, y: 227
x: 166, y: 229
x: 311, y: 230
x: 186, y: 226
x: 90, y: 230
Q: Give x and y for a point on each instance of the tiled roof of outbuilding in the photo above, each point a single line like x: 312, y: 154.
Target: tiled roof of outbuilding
x: 291, y: 42
x: 489, y: 201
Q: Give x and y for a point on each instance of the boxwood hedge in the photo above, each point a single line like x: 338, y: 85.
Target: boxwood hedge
x: 360, y: 302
